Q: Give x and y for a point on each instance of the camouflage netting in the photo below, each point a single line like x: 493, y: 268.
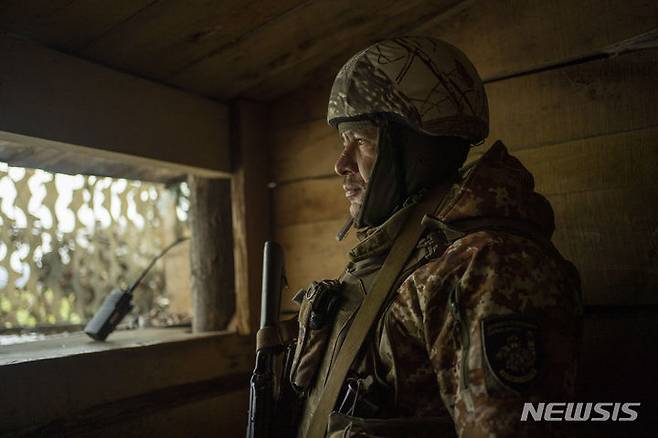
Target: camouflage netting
x: 67, y: 240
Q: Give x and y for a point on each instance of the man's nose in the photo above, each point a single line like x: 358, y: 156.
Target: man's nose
x: 345, y: 164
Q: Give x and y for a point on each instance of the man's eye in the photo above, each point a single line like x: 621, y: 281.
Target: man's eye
x: 361, y: 141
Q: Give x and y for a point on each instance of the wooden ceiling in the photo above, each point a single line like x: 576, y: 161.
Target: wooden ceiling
x: 258, y: 49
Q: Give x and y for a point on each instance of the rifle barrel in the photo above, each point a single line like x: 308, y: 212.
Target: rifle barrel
x: 272, y: 284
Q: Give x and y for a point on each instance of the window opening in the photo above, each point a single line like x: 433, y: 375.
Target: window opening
x: 67, y: 240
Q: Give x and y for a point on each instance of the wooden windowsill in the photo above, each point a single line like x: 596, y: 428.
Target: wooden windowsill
x: 55, y: 382
x: 80, y: 343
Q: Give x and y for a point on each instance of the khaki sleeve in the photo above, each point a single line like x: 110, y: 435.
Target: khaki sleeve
x: 509, y: 333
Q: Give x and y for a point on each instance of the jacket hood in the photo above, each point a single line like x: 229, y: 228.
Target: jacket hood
x: 495, y: 186
x: 408, y: 163
x: 499, y: 186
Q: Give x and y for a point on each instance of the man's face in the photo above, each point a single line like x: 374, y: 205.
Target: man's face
x: 356, y: 162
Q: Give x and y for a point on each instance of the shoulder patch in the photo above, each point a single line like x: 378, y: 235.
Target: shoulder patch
x: 512, y: 350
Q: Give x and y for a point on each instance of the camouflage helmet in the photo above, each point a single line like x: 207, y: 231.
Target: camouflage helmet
x: 423, y: 82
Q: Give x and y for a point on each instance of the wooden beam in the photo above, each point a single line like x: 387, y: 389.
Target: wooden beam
x: 54, y: 156
x: 274, y: 47
x: 107, y: 415
x: 48, y: 95
x: 132, y: 363
x: 251, y: 208
x: 65, y: 24
x: 169, y: 35
x: 221, y: 416
x: 211, y: 253
x: 310, y: 33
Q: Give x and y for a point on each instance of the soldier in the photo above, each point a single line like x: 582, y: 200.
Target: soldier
x: 454, y: 308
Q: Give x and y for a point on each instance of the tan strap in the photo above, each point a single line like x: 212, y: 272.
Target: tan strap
x: 371, y: 307
x: 277, y: 335
x: 268, y: 337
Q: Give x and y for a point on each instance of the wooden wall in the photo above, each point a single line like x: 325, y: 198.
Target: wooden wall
x: 576, y: 101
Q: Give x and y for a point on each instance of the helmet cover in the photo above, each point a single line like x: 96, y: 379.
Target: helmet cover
x: 423, y: 82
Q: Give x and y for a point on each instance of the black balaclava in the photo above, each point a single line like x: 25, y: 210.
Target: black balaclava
x: 407, y: 162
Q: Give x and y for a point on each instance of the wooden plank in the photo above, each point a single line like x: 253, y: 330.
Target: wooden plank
x: 304, y: 151
x: 312, y: 253
x: 54, y: 156
x: 170, y: 35
x: 312, y: 75
x: 65, y: 24
x: 78, y: 344
x: 48, y: 95
x: 223, y: 416
x: 576, y: 102
x: 211, y: 253
x: 611, y: 236
x: 99, y: 418
x: 251, y: 210
x: 505, y: 37
x: 37, y: 391
x: 303, y: 105
x: 628, y: 159
x: 309, y: 200
x: 314, y: 31
x: 581, y: 101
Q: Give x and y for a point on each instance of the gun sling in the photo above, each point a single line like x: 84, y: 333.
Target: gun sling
x: 371, y: 306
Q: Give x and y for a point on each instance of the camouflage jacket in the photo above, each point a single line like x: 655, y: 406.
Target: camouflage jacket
x: 478, y: 324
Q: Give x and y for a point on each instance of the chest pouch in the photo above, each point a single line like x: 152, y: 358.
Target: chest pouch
x: 319, y: 305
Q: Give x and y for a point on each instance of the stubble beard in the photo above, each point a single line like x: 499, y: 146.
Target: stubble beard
x: 355, y: 183
x: 354, y: 208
